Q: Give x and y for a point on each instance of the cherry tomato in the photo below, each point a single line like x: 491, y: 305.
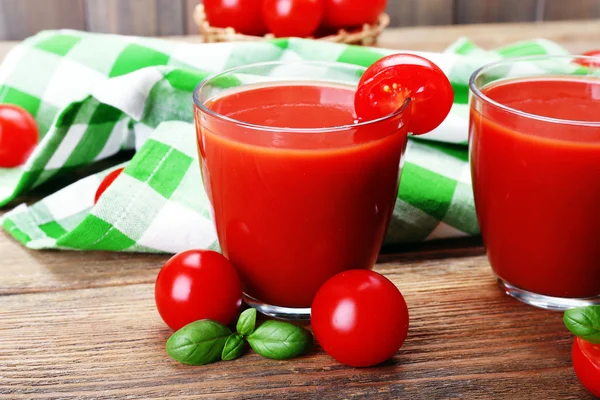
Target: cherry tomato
x: 586, y: 361
x: 589, y: 62
x: 297, y: 18
x: 359, y: 318
x: 385, y: 86
x: 106, y: 182
x: 349, y: 13
x: 197, y: 284
x: 18, y: 135
x: 242, y: 15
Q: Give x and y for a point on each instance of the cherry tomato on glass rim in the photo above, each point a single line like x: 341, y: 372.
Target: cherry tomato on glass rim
x: 349, y: 13
x: 242, y: 15
x: 589, y: 62
x: 385, y: 86
x: 586, y: 362
x: 18, y: 135
x: 297, y: 18
x: 359, y: 318
x: 195, y: 285
x: 106, y: 182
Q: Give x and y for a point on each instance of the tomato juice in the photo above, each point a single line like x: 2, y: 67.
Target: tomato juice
x: 535, y: 164
x: 299, y: 190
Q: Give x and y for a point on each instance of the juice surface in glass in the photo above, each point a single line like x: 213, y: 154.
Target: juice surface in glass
x: 299, y: 191
x: 536, y: 182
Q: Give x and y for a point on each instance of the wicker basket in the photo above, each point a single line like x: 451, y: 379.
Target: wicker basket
x: 366, y: 36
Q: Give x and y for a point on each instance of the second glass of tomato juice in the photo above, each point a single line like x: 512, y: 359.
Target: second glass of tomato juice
x: 299, y: 190
x: 535, y: 162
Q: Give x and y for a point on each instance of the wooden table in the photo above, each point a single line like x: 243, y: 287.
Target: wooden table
x: 84, y: 325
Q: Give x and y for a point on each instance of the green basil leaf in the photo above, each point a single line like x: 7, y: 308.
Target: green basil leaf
x: 280, y: 340
x: 234, y: 347
x: 246, y: 322
x: 584, y: 322
x: 198, y: 343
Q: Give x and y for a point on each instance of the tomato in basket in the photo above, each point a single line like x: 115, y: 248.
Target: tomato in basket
x: 349, y: 13
x: 242, y: 15
x: 292, y: 18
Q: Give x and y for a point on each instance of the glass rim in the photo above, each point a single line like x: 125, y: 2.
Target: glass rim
x: 508, y: 61
x: 265, y: 128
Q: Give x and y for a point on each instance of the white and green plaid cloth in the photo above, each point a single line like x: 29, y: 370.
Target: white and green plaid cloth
x: 94, y: 95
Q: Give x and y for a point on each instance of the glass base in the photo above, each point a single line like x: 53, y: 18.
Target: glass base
x: 545, y: 302
x: 286, y: 313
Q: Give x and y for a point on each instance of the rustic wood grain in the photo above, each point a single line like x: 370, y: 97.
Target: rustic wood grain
x: 190, y: 26
x: 576, y: 37
x: 466, y: 340
x: 25, y: 271
x: 572, y: 9
x: 84, y: 326
x: 420, y: 12
x: 474, y: 12
x: 170, y: 17
x: 136, y: 17
x: 5, y: 47
x: 22, y: 18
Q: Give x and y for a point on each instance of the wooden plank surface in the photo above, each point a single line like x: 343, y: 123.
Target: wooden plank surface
x: 135, y: 17
x: 84, y: 325
x: 576, y: 37
x: 190, y: 26
x: 571, y: 9
x: 474, y: 12
x: 466, y: 340
x: 22, y: 18
x: 5, y: 47
x: 420, y: 12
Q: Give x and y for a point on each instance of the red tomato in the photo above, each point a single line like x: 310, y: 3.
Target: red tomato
x: 586, y: 361
x: 297, y: 18
x: 18, y: 135
x: 106, y: 182
x: 359, y: 318
x: 242, y: 15
x: 197, y: 284
x: 385, y: 85
x: 590, y: 62
x: 348, y: 13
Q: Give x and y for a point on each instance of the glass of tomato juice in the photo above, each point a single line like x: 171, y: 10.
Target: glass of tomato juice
x: 299, y: 189
x: 535, y: 163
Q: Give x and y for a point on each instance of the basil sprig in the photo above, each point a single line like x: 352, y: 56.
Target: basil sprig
x: 247, y: 322
x: 198, y: 343
x: 234, y: 347
x: 584, y: 322
x: 206, y: 341
x: 280, y: 340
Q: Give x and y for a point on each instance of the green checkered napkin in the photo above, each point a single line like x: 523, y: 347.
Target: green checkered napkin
x: 94, y: 95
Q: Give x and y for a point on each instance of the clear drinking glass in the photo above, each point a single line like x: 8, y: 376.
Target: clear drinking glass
x: 295, y: 205
x: 535, y: 162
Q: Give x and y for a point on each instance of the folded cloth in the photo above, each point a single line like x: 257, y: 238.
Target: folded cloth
x: 94, y: 95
